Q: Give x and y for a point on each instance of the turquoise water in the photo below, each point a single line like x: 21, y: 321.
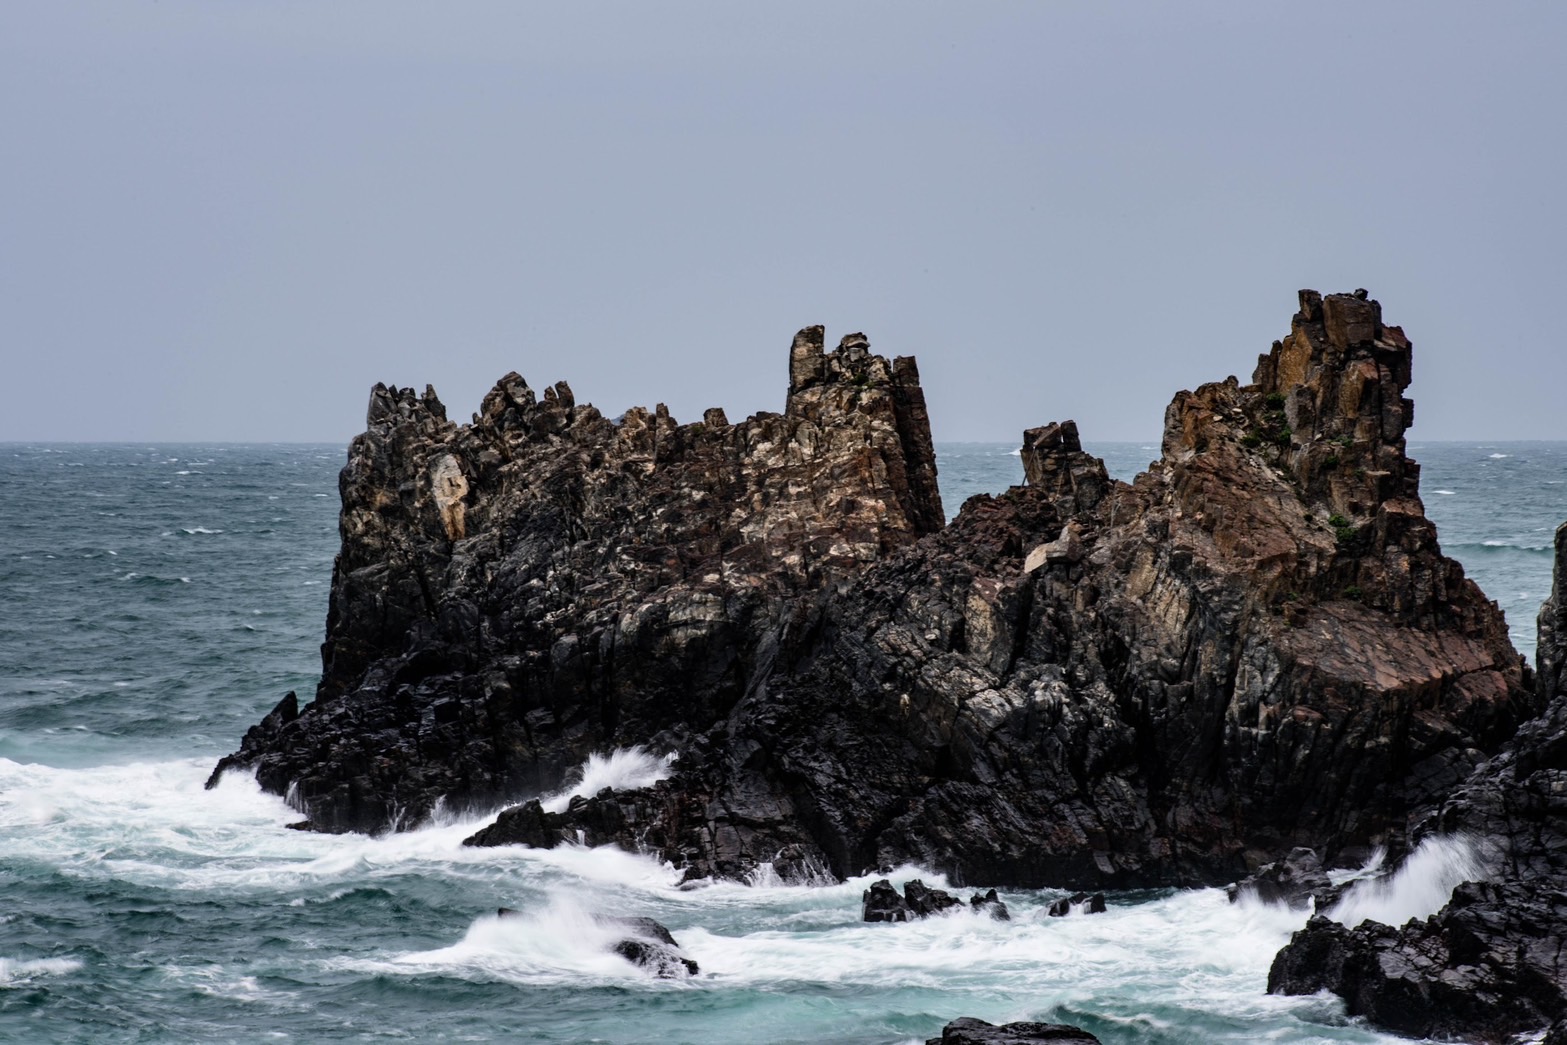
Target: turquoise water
x: 160, y: 599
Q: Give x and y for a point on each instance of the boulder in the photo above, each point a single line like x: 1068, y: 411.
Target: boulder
x: 992, y: 905
x: 969, y: 1031
x: 882, y: 903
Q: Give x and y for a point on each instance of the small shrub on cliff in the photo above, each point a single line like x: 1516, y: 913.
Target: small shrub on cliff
x: 1275, y: 400
x: 1251, y: 442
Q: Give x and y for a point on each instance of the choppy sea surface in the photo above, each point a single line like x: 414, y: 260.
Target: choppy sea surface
x: 159, y: 600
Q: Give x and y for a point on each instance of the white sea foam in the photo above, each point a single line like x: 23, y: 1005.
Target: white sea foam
x: 624, y: 769
x: 1498, y: 457
x: 155, y: 824
x: 198, y: 529
x: 15, y: 972
x: 559, y: 942
x: 1417, y: 889
x: 1445, y: 493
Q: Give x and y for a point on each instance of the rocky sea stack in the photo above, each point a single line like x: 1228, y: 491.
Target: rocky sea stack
x: 1257, y: 645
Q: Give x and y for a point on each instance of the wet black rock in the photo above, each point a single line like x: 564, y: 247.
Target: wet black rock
x: 1083, y: 903
x: 1298, y: 880
x: 652, y: 946
x: 663, y: 962
x: 992, y: 905
x: 881, y: 902
x: 969, y: 1031
x: 925, y: 901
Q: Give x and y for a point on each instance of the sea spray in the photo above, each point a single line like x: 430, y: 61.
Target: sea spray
x: 559, y: 942
x: 623, y: 769
x: 1418, y: 889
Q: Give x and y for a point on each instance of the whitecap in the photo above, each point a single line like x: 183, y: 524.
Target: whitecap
x: 1498, y: 457
x: 1495, y: 544
x: 198, y: 529
x: 1444, y: 493
x: 15, y: 971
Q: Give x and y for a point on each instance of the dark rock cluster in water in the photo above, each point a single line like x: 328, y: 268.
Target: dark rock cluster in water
x: 881, y: 903
x: 1254, y: 647
x: 969, y: 1031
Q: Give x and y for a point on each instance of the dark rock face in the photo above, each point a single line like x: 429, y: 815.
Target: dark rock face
x: 969, y: 1031
x: 1491, y: 963
x: 1256, y: 645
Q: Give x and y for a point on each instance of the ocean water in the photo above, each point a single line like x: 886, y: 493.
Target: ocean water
x: 160, y: 599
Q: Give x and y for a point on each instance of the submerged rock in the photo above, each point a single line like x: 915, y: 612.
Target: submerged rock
x: 653, y: 947
x: 1083, y: 903
x: 1254, y: 646
x: 969, y: 1031
x: 992, y: 905
x: 648, y: 944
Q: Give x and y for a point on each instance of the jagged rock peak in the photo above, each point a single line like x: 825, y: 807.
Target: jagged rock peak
x: 1053, y: 460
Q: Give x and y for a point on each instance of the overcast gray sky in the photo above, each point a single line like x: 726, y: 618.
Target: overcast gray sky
x: 226, y: 220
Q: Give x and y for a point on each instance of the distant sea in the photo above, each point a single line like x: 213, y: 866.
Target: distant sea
x: 160, y: 599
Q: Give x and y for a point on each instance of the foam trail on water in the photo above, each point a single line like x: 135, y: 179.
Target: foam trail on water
x: 560, y: 943
x: 624, y: 769
x: 17, y: 972
x: 1417, y: 889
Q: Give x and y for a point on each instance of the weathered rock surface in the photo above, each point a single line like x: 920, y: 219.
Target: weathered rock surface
x: 1256, y: 645
x: 1492, y: 963
x: 969, y: 1031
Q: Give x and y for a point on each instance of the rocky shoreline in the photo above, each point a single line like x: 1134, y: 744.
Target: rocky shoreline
x: 1256, y: 646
